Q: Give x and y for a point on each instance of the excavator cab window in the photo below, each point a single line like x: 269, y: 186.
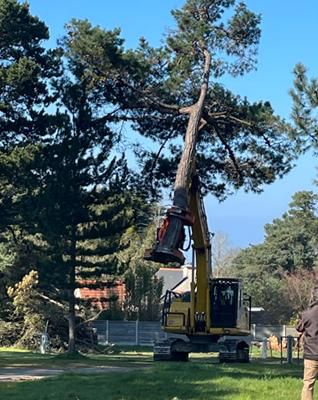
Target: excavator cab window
x: 224, y: 303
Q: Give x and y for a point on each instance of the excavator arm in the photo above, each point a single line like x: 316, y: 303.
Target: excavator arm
x: 217, y: 307
x: 171, y: 233
x: 169, y: 245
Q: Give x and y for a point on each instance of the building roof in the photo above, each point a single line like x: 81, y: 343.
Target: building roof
x: 177, y: 279
x: 101, y: 297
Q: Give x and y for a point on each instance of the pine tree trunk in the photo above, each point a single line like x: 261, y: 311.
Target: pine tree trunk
x: 71, y: 300
x: 186, y: 164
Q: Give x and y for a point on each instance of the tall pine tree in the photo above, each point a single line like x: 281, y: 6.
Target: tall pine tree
x: 66, y: 196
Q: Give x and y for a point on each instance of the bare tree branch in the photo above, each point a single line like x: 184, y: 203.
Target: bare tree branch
x: 94, y: 318
x: 56, y: 303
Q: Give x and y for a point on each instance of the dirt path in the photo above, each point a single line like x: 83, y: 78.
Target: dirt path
x: 14, y: 374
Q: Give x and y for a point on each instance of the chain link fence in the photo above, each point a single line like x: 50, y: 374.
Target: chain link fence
x: 145, y: 333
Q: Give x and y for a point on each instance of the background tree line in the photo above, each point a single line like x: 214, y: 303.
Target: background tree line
x: 280, y: 272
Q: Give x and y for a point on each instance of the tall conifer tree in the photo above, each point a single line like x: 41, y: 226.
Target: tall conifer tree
x: 175, y: 93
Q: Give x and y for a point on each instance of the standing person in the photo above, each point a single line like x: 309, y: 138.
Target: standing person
x: 308, y: 327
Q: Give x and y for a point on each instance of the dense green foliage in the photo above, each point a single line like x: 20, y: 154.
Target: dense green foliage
x: 287, y: 255
x: 67, y: 195
x: 304, y: 112
x: 143, y: 288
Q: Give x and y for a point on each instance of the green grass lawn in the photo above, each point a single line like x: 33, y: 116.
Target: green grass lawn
x: 201, y: 378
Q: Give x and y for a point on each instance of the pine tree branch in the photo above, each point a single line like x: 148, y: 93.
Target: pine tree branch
x: 56, y: 303
x: 240, y: 121
x: 13, y: 234
x: 145, y: 96
x: 154, y: 162
x: 230, y: 152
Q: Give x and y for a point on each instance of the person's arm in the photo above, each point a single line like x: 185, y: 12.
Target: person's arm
x: 300, y: 327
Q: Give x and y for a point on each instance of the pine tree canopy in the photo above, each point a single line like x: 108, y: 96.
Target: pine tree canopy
x: 238, y: 143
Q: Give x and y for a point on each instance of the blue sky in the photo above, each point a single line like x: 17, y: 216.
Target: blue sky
x: 289, y: 35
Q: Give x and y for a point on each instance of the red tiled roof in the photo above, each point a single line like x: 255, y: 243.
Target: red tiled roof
x: 100, y: 297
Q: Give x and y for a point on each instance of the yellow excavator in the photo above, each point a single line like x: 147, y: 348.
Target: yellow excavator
x: 215, y: 315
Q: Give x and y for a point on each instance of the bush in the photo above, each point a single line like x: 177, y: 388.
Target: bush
x: 9, y: 333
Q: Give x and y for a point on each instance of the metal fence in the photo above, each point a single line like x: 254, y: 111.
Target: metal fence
x: 259, y: 332
x: 145, y: 333
x: 142, y: 333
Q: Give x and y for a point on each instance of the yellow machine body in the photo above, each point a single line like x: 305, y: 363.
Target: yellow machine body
x: 214, y: 308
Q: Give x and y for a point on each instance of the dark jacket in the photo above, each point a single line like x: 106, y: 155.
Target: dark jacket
x: 308, y: 326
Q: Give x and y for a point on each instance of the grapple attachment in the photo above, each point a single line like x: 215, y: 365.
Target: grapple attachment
x: 164, y: 255
x: 170, y: 237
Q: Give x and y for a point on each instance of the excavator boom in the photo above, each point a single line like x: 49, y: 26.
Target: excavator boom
x: 215, y: 308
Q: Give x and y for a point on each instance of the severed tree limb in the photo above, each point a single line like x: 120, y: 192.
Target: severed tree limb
x: 61, y: 306
x: 56, y: 303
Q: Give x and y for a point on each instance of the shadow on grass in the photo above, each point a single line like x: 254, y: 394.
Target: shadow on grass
x: 33, y: 360
x: 257, y: 367
x: 23, y: 356
x: 128, y: 386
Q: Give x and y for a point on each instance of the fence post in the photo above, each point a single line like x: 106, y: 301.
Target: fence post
x: 107, y: 331
x: 137, y: 332
x: 264, y: 348
x: 289, y: 349
x: 298, y: 348
x: 254, y: 331
x: 284, y: 330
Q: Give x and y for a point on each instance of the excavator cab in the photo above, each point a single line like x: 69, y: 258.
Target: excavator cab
x: 224, y: 303
x: 230, y: 308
